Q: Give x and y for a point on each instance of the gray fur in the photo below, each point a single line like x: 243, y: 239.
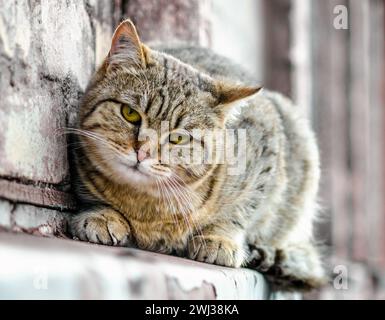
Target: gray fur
x: 261, y: 218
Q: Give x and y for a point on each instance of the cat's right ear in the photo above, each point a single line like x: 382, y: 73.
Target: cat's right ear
x: 126, y: 48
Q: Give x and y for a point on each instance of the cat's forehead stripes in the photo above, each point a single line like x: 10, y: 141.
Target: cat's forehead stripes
x: 166, y: 90
x: 177, y: 94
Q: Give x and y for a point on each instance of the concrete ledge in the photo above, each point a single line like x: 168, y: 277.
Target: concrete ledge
x: 49, y: 268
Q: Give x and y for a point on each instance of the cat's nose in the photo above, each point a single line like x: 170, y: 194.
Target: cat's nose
x: 142, y: 154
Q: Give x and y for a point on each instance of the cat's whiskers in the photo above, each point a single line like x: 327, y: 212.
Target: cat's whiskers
x: 170, y: 197
x: 185, y: 208
x: 181, y: 207
x: 161, y: 193
x: 176, y: 193
x: 189, y: 194
x: 186, y: 194
x: 114, y: 148
x: 194, y: 221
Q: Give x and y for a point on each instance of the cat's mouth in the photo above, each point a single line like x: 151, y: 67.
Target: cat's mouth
x: 133, y: 167
x: 126, y: 173
x: 143, y: 171
x: 138, y: 168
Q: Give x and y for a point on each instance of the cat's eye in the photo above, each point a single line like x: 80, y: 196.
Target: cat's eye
x: 179, y: 138
x: 130, y: 114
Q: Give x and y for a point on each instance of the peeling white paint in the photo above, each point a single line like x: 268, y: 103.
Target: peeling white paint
x: 76, y: 270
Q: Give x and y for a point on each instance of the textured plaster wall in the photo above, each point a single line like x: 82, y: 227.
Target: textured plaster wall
x: 48, y: 51
x: 47, y: 55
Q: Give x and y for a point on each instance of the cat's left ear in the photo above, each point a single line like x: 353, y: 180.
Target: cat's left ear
x: 126, y: 48
x: 230, y: 96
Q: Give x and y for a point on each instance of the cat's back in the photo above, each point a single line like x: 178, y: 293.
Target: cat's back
x: 209, y: 62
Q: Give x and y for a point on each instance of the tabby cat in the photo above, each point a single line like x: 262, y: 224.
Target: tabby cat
x: 260, y: 217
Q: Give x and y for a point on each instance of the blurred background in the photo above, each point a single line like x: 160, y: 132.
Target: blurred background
x: 327, y: 55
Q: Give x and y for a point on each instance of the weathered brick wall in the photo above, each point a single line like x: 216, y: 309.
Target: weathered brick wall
x: 48, y: 51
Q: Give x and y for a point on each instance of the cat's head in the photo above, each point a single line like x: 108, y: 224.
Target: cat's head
x: 143, y: 105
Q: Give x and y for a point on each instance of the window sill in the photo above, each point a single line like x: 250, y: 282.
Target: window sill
x: 51, y: 268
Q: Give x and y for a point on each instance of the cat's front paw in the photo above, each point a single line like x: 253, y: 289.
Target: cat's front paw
x: 104, y: 227
x: 216, y: 250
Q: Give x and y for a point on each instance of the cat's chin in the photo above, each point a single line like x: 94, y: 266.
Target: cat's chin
x: 136, y: 175
x: 131, y: 175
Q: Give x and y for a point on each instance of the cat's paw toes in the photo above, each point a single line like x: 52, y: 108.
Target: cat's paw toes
x: 261, y: 258
x: 215, y: 250
x: 101, y: 229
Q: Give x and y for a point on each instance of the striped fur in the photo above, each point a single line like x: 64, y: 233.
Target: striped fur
x: 261, y: 217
